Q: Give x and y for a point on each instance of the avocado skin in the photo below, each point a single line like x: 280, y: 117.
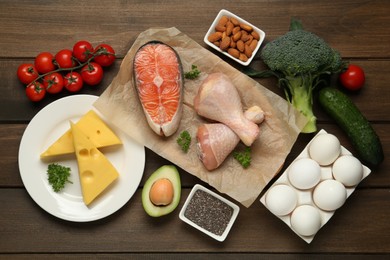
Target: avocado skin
x: 166, y: 171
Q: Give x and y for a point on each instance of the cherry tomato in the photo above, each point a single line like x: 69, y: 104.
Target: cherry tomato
x: 92, y: 73
x: 44, y: 62
x: 35, y: 91
x: 53, y: 83
x: 82, y: 50
x: 353, y: 78
x: 73, y: 81
x: 106, y: 55
x: 27, y: 73
x: 64, y: 59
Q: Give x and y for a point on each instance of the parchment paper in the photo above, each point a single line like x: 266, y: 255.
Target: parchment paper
x: 278, y: 133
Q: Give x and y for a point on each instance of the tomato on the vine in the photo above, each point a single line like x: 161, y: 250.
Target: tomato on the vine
x: 27, y: 73
x: 73, y: 81
x: 53, y: 83
x: 92, y: 73
x: 82, y: 65
x: 82, y: 50
x: 353, y: 78
x: 35, y: 91
x: 44, y: 62
x: 106, y: 55
x: 64, y: 59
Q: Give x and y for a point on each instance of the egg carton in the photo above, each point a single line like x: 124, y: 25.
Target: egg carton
x: 305, y: 196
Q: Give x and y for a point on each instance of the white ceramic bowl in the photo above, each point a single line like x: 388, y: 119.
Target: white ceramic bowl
x: 235, y: 208
x: 212, y: 30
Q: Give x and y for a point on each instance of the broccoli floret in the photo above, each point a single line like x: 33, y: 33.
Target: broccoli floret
x: 300, y: 59
x: 299, y: 52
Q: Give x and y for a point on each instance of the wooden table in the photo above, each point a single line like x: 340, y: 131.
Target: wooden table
x: 358, y: 29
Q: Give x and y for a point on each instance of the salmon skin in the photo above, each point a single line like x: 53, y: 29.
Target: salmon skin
x: 159, y: 80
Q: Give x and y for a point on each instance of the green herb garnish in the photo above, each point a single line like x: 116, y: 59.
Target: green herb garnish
x: 243, y: 157
x: 58, y: 176
x: 193, y: 73
x: 184, y: 140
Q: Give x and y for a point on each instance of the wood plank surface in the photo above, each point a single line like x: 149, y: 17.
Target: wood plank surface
x: 358, y: 29
x: 130, y: 230
x: 351, y: 26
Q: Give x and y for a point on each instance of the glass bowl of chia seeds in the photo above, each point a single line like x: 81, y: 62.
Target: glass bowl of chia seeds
x: 209, y: 212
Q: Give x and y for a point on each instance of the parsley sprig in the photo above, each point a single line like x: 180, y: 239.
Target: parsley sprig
x: 58, y: 176
x: 243, y: 157
x: 193, y: 73
x: 184, y: 140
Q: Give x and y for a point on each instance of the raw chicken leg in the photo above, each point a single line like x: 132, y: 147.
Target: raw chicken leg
x: 216, y: 141
x: 218, y: 99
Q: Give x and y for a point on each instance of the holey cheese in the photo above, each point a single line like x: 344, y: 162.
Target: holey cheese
x: 93, y: 127
x: 95, y: 171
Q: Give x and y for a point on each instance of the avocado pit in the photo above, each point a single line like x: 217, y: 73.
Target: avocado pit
x: 161, y: 192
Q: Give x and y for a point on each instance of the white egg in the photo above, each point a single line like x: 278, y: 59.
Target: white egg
x: 304, y: 173
x: 348, y: 170
x: 329, y: 195
x: 281, y: 199
x: 306, y: 220
x: 324, y: 149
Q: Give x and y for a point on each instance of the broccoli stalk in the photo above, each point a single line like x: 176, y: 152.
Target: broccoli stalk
x: 298, y: 91
x: 300, y: 60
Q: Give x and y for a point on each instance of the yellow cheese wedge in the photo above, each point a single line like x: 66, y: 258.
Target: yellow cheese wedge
x: 94, y: 128
x: 95, y: 171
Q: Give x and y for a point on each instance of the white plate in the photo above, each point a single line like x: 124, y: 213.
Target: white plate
x: 46, y: 126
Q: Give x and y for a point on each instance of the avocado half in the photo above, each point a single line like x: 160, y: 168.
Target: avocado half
x: 164, y: 172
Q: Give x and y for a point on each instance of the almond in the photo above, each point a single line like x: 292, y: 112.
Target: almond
x: 234, y: 21
x: 236, y: 29
x: 248, y: 51
x: 255, y: 35
x: 246, y: 27
x: 229, y: 28
x: 249, y: 41
x: 244, y: 36
x: 233, y: 44
x: 236, y: 36
x: 224, y: 19
x: 220, y: 28
x: 253, y: 44
x: 214, y: 37
x: 234, y: 52
x: 225, y: 43
x: 241, y: 46
x: 243, y: 57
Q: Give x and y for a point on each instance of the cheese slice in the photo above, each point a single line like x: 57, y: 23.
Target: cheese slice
x: 95, y: 129
x: 95, y: 171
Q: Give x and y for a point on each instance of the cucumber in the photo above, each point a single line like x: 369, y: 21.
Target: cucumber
x: 359, y: 131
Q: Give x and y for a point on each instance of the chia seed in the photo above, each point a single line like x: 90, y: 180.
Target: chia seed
x: 208, y: 212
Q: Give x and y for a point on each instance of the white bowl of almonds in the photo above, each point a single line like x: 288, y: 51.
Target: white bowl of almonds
x: 234, y: 37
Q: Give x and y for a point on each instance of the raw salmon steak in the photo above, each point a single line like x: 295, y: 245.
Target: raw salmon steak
x: 159, y: 82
